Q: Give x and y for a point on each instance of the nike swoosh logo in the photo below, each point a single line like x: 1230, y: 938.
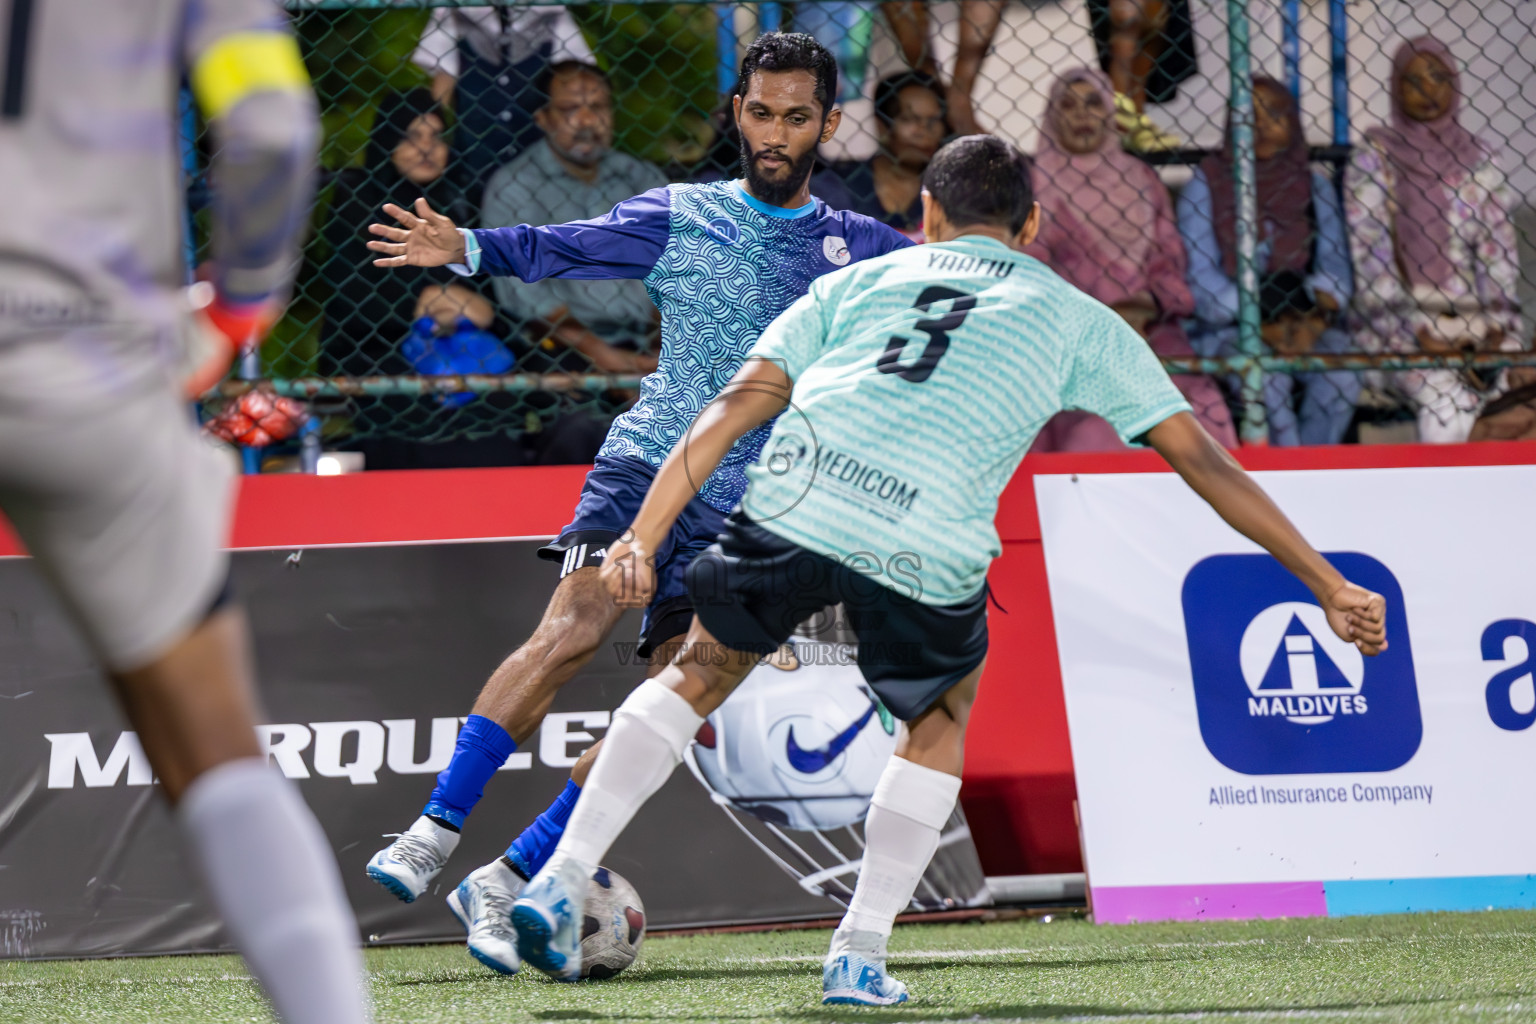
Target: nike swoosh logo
x: 812, y: 761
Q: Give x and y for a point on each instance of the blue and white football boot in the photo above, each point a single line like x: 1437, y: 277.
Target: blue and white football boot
x: 407, y: 866
x: 547, y: 918
x: 853, y: 979
x: 483, y: 905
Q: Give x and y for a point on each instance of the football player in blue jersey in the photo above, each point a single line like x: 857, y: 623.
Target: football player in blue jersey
x: 720, y: 260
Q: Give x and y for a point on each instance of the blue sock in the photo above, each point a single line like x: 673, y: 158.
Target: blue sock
x: 483, y: 747
x: 530, y: 850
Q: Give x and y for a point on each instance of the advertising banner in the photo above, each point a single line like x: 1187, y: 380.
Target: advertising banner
x: 1235, y: 758
x: 367, y: 657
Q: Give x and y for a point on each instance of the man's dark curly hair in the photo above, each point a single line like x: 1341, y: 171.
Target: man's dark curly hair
x: 791, y: 51
x: 980, y: 179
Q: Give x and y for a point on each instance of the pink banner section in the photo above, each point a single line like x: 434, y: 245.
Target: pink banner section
x: 1130, y: 904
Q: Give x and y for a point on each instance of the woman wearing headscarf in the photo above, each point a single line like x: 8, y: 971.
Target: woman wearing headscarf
x: 1303, y: 267
x: 413, y: 319
x: 370, y: 311
x: 1434, y: 246
x: 1107, y: 227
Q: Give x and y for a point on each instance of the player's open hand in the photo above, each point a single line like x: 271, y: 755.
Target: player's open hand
x: 629, y: 572
x: 1358, y: 616
x: 427, y: 239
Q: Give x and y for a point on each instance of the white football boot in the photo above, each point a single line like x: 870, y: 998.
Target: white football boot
x: 483, y: 905
x: 853, y: 979
x: 406, y: 866
x: 548, y: 917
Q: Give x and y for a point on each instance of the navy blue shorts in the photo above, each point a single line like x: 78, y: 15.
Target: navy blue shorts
x: 752, y: 587
x: 609, y: 502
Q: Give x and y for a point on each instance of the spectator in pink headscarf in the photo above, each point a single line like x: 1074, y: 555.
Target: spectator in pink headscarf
x: 1434, y: 246
x: 1108, y: 227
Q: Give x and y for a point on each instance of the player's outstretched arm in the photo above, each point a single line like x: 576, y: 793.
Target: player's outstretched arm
x: 624, y: 243
x: 1356, y: 614
x: 425, y: 238
x: 759, y: 391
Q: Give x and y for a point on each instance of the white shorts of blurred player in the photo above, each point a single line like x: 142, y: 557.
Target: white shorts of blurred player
x: 110, y: 485
x: 792, y: 758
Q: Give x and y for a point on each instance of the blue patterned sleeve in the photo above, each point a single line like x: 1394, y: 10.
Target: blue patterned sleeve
x: 625, y: 242
x: 868, y: 237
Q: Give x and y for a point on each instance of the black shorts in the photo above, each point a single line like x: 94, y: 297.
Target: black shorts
x: 751, y: 588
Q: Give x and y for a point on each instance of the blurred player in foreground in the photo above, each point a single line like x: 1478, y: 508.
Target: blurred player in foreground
x: 720, y: 261
x: 915, y: 383
x: 102, y: 471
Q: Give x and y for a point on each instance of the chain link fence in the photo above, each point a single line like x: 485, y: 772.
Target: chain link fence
x: 1321, y: 214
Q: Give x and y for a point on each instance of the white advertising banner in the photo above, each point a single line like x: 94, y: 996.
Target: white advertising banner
x: 1234, y: 758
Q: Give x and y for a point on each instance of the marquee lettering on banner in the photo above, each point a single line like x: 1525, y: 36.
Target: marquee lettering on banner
x: 358, y: 751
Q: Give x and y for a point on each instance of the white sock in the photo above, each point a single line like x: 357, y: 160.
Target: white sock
x: 650, y: 731
x: 275, y: 882
x: 909, y: 808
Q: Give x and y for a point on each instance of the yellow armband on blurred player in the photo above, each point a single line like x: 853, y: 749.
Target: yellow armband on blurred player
x: 243, y: 64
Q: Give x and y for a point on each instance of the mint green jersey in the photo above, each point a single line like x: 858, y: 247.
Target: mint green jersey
x: 920, y: 380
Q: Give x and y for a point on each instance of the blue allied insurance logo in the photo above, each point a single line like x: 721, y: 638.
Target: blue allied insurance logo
x: 1277, y: 691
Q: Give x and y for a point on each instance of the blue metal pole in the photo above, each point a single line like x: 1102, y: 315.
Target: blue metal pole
x: 725, y: 44
x: 769, y: 17
x: 1290, y: 45
x: 1253, y: 430
x: 1338, y: 30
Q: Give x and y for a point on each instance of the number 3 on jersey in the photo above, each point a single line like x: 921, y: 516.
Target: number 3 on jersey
x: 937, y: 328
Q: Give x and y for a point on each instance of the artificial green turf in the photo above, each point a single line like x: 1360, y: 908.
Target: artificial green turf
x: 1440, y: 967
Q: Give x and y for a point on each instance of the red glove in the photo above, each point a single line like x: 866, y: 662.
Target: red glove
x: 222, y: 331
x: 258, y: 418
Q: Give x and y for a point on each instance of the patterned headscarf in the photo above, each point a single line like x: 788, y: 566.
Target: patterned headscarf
x: 1428, y: 156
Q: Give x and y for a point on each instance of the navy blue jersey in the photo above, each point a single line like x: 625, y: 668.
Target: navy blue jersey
x: 720, y: 265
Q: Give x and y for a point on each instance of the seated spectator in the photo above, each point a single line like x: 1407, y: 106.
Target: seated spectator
x: 1303, y: 267
x: 1107, y: 226
x: 1434, y: 246
x: 407, y: 321
x: 889, y: 186
x: 487, y: 62
x: 573, y: 173
x: 370, y: 311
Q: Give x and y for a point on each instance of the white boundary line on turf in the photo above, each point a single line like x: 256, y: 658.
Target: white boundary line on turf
x: 190, y: 979
x: 897, y: 956
x: 1295, y: 1013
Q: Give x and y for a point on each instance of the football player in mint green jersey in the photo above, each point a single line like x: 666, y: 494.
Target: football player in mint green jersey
x: 910, y: 387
